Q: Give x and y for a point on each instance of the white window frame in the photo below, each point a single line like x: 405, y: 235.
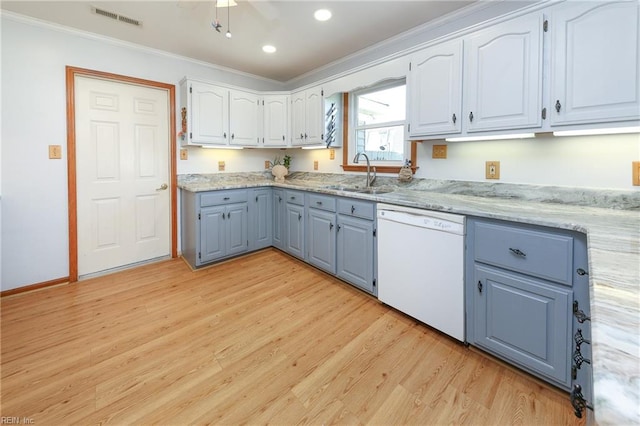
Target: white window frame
x: 354, y: 127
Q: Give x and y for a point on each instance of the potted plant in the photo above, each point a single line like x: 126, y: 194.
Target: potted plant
x: 280, y: 168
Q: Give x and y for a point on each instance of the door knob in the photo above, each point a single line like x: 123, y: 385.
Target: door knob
x: 162, y: 187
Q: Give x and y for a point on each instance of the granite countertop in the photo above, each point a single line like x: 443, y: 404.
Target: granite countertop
x: 609, y: 218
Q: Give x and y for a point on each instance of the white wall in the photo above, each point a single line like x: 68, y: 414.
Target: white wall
x: 34, y: 188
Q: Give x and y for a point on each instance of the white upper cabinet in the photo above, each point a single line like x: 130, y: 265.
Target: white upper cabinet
x: 307, y: 117
x: 276, y: 120
x: 208, y: 109
x: 435, y: 90
x: 503, y: 76
x: 595, y: 62
x: 244, y: 118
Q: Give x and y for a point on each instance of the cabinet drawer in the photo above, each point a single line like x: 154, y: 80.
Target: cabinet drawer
x: 356, y: 208
x: 295, y: 197
x: 322, y: 202
x: 542, y: 254
x: 215, y: 198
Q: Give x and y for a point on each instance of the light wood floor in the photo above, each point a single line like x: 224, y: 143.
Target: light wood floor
x: 260, y: 339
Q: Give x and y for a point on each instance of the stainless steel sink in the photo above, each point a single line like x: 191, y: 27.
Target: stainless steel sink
x: 371, y: 190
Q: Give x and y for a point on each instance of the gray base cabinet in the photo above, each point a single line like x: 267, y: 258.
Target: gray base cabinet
x: 215, y: 225
x: 322, y: 240
x: 294, y: 224
x: 260, y: 218
x: 527, y: 300
x: 279, y: 212
x: 355, y: 246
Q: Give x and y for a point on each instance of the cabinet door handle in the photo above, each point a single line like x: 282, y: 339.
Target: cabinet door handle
x: 222, y: 216
x: 226, y: 198
x: 233, y: 135
x: 319, y: 203
x: 353, y: 209
x: 282, y: 137
x: 453, y: 118
x: 330, y: 226
x: 305, y: 136
x: 224, y: 135
x: 256, y: 198
x: 292, y: 198
x: 279, y: 199
x: 558, y: 105
x: 299, y: 216
x: 471, y: 116
x: 301, y: 136
x: 517, y: 252
x: 480, y: 286
x: 338, y: 228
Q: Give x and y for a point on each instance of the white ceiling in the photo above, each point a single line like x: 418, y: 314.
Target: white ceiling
x: 184, y: 27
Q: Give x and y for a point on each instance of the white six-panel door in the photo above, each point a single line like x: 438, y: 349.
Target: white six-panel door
x: 122, y: 148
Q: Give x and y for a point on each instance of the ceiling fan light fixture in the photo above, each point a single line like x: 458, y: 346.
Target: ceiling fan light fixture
x: 228, y: 34
x: 322, y: 15
x: 226, y: 3
x: 267, y: 48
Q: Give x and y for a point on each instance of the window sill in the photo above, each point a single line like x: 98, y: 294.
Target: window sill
x: 379, y: 169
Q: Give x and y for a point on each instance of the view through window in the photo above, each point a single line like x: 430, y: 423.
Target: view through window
x: 379, y: 130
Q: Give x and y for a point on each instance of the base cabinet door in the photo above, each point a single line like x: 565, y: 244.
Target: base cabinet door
x: 260, y: 219
x: 236, y: 229
x: 322, y: 240
x: 279, y: 211
x: 524, y: 320
x: 355, y: 252
x: 295, y: 230
x: 212, y: 234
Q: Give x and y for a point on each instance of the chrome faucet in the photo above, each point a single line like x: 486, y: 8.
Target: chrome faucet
x: 370, y: 179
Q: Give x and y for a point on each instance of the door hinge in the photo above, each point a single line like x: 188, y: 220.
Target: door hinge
x: 190, y: 135
x: 409, y: 127
x: 199, y: 255
x: 545, y: 26
x: 374, y: 282
x: 199, y: 217
x: 409, y: 66
x: 190, y: 89
x: 544, y: 113
x: 322, y: 92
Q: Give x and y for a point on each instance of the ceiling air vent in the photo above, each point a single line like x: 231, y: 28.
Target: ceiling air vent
x: 115, y: 16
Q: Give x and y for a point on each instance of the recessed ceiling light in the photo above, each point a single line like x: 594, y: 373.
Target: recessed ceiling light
x: 267, y: 48
x: 322, y: 14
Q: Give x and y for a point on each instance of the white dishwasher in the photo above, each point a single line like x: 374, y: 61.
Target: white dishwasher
x: 421, y: 265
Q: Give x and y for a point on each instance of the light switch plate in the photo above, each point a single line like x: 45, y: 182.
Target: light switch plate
x: 221, y: 166
x: 492, y: 170
x: 439, y: 151
x: 636, y: 173
x: 55, y: 152
x: 184, y: 154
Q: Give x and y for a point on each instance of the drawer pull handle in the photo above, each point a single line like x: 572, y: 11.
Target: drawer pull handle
x: 319, y: 203
x: 579, y: 313
x: 517, y: 252
x: 578, y: 402
x: 226, y: 198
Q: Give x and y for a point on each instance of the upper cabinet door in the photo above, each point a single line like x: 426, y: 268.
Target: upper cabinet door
x: 209, y: 114
x: 314, y: 116
x: 503, y: 76
x: 276, y: 120
x: 435, y: 90
x: 244, y: 114
x: 297, y: 118
x: 595, y: 62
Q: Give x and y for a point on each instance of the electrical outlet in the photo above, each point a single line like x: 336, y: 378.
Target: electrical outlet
x: 221, y: 166
x: 492, y: 170
x: 55, y: 152
x: 332, y: 154
x: 439, y: 151
x: 315, y: 165
x: 636, y: 173
x: 184, y: 154
x: 267, y: 164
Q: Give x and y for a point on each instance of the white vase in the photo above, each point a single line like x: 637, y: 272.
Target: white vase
x: 279, y: 171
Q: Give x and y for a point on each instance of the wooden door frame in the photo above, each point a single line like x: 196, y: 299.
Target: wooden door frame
x: 71, y: 73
